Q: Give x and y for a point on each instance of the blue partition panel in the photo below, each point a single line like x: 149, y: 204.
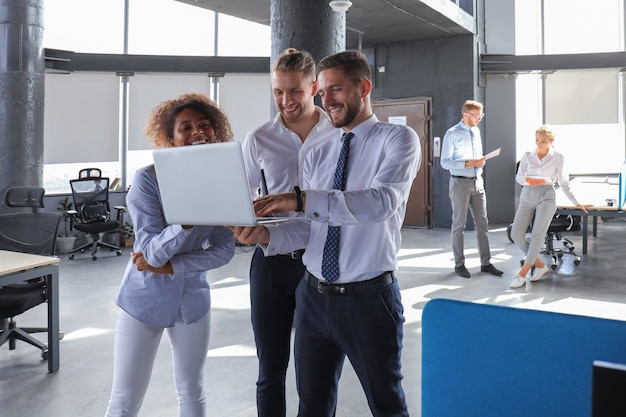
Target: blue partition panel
x: 486, y: 360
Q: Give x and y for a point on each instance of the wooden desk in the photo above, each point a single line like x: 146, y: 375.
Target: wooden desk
x: 18, y: 267
x: 595, y: 191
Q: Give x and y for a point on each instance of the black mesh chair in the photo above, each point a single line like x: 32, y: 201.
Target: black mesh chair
x: 559, y: 225
x: 92, y: 214
x: 30, y: 232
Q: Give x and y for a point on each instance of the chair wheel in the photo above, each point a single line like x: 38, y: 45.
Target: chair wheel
x: 44, y: 355
x: 560, y: 255
x: 71, y: 256
x: 553, y: 266
x: 119, y: 253
x: 93, y: 258
x: 576, y: 261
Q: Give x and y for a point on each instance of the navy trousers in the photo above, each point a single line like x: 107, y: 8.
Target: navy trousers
x: 365, y: 328
x: 273, y: 282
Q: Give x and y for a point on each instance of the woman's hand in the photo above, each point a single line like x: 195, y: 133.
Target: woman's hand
x: 583, y: 207
x: 142, y: 265
x: 533, y: 182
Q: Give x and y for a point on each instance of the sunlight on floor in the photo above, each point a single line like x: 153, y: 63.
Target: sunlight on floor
x: 234, y: 297
x: 232, y: 351
x: 85, y: 333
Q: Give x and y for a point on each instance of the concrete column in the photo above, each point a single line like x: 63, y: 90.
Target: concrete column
x: 22, y: 98
x: 307, y: 24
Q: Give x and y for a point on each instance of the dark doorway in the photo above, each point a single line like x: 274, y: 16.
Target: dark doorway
x: 416, y: 113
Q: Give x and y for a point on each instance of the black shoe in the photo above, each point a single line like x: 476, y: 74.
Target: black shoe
x: 462, y: 271
x: 491, y: 270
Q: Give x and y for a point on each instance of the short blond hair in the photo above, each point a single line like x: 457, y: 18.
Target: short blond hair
x: 472, y: 105
x: 545, y: 130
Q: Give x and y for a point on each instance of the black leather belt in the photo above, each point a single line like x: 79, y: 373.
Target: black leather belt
x: 296, y: 254
x: 370, y: 286
x: 462, y: 177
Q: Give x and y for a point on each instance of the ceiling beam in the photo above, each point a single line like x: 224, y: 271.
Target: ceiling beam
x: 68, y: 61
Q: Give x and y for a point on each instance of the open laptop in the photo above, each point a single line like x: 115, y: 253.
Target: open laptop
x: 206, y: 185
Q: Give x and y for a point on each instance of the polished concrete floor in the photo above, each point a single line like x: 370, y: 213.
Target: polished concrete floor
x: 81, y: 387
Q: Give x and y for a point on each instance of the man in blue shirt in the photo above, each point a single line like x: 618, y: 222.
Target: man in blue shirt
x: 462, y: 155
x: 350, y: 307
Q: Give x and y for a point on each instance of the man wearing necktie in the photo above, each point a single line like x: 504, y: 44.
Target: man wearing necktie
x: 353, y: 200
x: 462, y: 155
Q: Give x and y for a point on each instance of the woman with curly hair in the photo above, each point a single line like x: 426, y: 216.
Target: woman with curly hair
x: 164, y: 285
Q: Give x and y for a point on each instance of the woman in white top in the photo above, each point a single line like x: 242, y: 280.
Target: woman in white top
x: 537, y: 173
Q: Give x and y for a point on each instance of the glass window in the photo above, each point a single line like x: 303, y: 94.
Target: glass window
x: 583, y: 26
x: 166, y: 27
x: 238, y: 37
x: 529, y: 111
x: 594, y: 100
x: 586, y: 121
x: 95, y: 26
x: 527, y: 27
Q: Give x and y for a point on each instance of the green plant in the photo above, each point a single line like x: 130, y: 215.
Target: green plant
x: 64, y: 206
x: 128, y: 230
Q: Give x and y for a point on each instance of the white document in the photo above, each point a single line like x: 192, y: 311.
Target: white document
x: 490, y: 155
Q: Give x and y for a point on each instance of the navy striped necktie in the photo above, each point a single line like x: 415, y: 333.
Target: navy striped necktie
x: 330, y: 258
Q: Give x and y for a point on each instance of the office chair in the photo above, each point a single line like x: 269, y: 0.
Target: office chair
x: 30, y: 232
x: 90, y: 173
x: 92, y: 214
x: 558, y: 225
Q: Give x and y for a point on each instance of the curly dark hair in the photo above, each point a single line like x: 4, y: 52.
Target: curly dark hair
x: 160, y: 126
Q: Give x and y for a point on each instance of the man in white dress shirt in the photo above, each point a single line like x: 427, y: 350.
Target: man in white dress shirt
x: 358, y: 313
x: 273, y: 153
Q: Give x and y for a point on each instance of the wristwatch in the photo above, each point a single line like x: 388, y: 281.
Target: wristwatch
x: 299, y: 203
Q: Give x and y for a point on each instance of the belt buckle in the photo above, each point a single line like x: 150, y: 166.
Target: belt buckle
x: 294, y: 255
x: 320, y: 284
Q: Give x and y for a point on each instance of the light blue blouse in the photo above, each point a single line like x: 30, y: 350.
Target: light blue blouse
x: 156, y: 299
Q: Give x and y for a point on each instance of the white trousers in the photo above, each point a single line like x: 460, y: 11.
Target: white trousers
x: 537, y: 205
x: 135, y: 349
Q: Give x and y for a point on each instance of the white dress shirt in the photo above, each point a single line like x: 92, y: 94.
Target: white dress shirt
x: 552, y: 166
x: 279, y: 152
x: 383, y: 161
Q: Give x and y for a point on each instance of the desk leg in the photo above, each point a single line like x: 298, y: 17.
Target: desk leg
x: 585, y: 220
x: 595, y: 226
x: 52, y: 281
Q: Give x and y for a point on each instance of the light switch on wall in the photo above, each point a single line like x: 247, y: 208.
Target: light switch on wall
x: 437, y: 147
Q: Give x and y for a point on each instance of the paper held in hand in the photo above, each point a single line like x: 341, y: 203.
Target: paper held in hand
x: 490, y: 155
